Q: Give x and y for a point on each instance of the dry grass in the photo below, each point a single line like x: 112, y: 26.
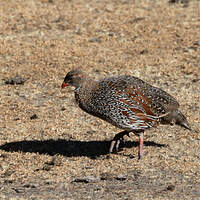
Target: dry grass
x: 63, y: 154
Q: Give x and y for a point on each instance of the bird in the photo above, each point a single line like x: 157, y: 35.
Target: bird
x: 126, y: 102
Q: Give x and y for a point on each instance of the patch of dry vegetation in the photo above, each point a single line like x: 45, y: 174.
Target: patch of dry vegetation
x: 64, y: 152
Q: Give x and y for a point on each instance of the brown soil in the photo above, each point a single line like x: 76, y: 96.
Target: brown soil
x: 49, y: 148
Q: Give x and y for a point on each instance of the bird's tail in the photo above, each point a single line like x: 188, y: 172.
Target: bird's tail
x: 181, y: 120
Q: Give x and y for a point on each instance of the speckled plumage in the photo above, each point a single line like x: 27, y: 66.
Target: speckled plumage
x: 126, y: 102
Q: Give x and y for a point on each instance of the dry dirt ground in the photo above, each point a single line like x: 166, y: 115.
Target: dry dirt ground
x: 49, y: 148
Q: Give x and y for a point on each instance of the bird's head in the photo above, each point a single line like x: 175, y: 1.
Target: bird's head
x: 74, y: 78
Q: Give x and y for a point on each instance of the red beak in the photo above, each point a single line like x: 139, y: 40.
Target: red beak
x: 64, y: 85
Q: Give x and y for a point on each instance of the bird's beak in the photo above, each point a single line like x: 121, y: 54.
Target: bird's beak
x: 64, y: 85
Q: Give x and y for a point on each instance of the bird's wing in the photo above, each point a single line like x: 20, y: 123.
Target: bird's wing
x: 122, y: 101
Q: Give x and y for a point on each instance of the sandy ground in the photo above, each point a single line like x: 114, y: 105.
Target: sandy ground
x: 49, y: 148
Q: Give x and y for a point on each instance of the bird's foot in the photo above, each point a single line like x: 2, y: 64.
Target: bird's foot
x: 117, y: 140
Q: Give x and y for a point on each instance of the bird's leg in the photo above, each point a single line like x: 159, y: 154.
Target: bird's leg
x: 117, y: 139
x: 141, y: 140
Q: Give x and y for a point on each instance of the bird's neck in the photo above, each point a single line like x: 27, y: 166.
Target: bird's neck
x: 86, y: 82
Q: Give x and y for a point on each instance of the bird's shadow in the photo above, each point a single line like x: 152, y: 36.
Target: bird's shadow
x: 68, y: 148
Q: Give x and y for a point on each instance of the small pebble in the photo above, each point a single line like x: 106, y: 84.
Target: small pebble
x: 197, y: 43
x: 34, y: 117
x: 94, y: 39
x: 170, y: 187
x: 16, y: 80
x: 86, y: 179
